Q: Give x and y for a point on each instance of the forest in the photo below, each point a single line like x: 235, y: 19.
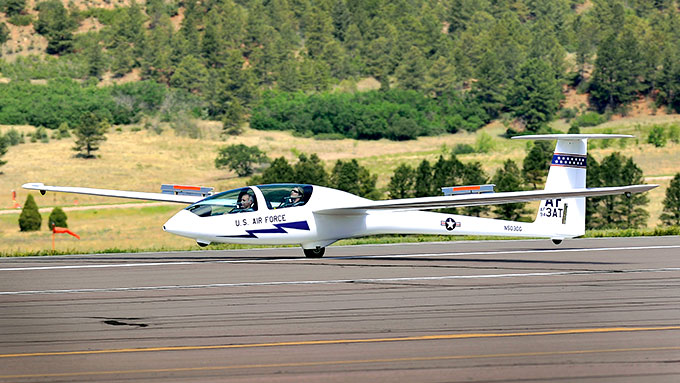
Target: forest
x: 295, y: 64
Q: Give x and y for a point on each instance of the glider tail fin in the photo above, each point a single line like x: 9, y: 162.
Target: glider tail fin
x: 566, y: 217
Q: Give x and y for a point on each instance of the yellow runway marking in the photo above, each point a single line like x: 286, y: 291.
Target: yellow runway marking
x: 339, y: 362
x: 348, y: 341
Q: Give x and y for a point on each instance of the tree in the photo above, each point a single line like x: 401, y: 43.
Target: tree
x: 440, y: 78
x: 633, y: 212
x: 489, y: 90
x: 620, y: 211
x: 4, y: 34
x: 616, y: 77
x: 12, y: 7
x: 508, y: 179
x: 593, y: 180
x: 353, y: 178
x: 535, y: 95
x: 89, y: 133
x: 57, y: 218
x: 411, y: 71
x: 473, y: 174
x: 423, y: 179
x: 95, y: 59
x: 30, y: 218
x: 56, y: 25
x: 310, y: 170
x: 401, y: 182
x: 232, y: 120
x: 668, y: 79
x: 279, y: 171
x: 190, y: 74
x: 671, y: 204
x: 4, y: 144
x: 240, y: 158
x: 537, y: 163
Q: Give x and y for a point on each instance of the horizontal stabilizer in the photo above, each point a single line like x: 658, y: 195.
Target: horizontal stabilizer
x: 552, y: 137
x: 187, y: 199
x: 429, y: 203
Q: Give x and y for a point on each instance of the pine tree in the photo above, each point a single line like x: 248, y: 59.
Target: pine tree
x: 668, y: 80
x: 56, y: 25
x: 4, y: 34
x: 401, y: 182
x: 423, y: 180
x: 593, y: 180
x: 57, y: 218
x: 353, y: 178
x: 473, y: 174
x: 411, y: 71
x: 489, y: 90
x: 12, y: 7
x: 30, y: 218
x: 508, y: 179
x: 310, y: 170
x: 633, y: 212
x: 440, y: 78
x: 671, y: 204
x: 535, y: 95
x: 89, y: 133
x: 536, y: 163
x: 190, y: 74
x: 279, y: 171
x: 95, y: 59
x: 616, y: 77
x: 621, y: 211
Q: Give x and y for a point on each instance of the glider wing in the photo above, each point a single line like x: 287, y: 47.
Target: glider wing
x: 187, y: 199
x: 429, y: 203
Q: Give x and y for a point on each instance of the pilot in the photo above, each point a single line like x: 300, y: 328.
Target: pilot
x: 245, y: 203
x: 295, y: 198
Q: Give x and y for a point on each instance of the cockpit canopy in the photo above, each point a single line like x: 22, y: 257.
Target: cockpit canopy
x: 276, y: 196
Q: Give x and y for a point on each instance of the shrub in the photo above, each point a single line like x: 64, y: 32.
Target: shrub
x: 568, y: 113
x: 57, y: 218
x: 674, y: 133
x: 657, y: 136
x: 589, y: 119
x: 463, y: 149
x: 574, y: 130
x: 30, y: 218
x: 484, y: 143
x: 21, y: 20
x: 13, y: 137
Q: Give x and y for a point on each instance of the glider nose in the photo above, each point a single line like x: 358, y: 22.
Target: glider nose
x: 180, y: 224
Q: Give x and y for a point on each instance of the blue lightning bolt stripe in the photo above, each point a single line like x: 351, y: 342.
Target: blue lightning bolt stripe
x: 279, y: 228
x: 569, y: 160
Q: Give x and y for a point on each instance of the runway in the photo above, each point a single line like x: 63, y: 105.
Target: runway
x: 590, y: 310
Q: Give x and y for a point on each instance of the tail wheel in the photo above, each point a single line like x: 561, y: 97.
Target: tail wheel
x: 314, y: 253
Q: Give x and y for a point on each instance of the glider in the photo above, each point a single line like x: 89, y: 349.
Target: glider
x: 315, y: 217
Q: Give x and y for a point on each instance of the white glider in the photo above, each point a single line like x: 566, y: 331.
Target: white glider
x: 315, y: 216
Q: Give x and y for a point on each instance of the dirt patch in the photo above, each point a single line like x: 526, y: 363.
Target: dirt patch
x: 90, y: 24
x: 108, y: 79
x: 572, y: 99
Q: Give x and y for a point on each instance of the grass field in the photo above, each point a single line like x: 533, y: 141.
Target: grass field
x: 142, y: 160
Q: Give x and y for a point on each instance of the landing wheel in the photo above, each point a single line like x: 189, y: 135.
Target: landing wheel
x: 314, y: 253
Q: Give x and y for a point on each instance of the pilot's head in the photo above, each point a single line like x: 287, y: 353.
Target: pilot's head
x: 296, y: 194
x: 246, y: 201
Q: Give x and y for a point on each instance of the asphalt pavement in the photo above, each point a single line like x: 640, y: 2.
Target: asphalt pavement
x: 589, y: 310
